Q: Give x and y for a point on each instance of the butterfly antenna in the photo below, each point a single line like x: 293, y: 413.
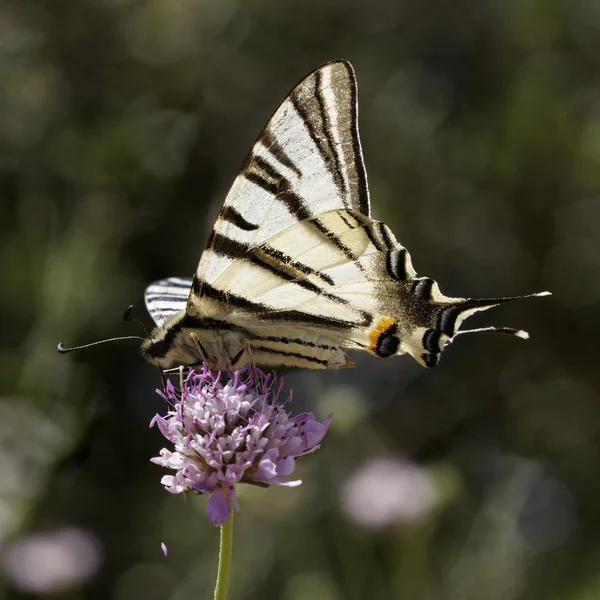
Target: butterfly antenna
x: 127, y: 316
x: 62, y: 350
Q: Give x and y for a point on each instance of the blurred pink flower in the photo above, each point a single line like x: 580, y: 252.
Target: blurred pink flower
x: 52, y: 562
x: 384, y: 491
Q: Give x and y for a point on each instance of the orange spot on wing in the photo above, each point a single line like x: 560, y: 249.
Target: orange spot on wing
x: 381, y: 327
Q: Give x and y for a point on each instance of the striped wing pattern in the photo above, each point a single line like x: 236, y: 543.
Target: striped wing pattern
x: 295, y: 271
x: 167, y: 297
x: 307, y: 161
x: 316, y: 291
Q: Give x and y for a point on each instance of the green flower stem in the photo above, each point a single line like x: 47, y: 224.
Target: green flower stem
x: 225, y: 551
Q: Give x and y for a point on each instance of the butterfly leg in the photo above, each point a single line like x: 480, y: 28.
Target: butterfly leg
x: 252, y: 363
x: 163, y: 379
x: 248, y: 350
x: 201, y: 350
x: 183, y: 373
x: 233, y: 362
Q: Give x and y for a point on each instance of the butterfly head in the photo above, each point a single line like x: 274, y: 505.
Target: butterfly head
x: 172, y: 344
x: 157, y: 349
x: 163, y: 347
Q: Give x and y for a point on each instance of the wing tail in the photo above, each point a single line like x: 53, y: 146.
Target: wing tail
x: 439, y: 323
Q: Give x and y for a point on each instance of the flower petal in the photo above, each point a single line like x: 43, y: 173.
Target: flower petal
x: 294, y: 483
x: 218, y: 508
x: 286, y: 466
x: 173, y: 484
x: 311, y: 430
x: 266, y: 471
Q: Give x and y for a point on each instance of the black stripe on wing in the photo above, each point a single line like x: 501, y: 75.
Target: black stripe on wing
x: 359, y: 165
x: 337, y: 242
x: 299, y: 266
x: 288, y: 354
x: 268, y: 140
x: 291, y: 341
x: 266, y: 176
x: 203, y: 289
x: 261, y: 182
x: 273, y: 261
x: 231, y: 215
x: 326, y: 125
x: 318, y: 141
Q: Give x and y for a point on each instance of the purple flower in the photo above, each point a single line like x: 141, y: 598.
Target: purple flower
x: 229, y: 432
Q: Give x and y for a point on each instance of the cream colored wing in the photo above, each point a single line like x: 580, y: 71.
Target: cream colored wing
x: 339, y: 276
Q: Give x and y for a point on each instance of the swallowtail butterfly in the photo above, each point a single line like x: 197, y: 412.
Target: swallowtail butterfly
x: 296, y: 272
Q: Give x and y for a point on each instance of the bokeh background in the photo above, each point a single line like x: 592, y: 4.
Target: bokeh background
x: 122, y: 125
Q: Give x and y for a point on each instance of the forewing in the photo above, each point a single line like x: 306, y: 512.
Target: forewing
x: 307, y: 161
x: 167, y: 297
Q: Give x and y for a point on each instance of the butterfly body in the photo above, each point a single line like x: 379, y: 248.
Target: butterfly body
x: 295, y: 271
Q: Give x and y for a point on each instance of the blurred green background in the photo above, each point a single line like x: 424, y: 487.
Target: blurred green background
x: 122, y: 125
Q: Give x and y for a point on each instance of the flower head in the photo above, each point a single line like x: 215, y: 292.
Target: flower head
x: 232, y: 430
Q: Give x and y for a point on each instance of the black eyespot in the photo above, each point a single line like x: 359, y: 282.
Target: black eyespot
x: 158, y: 348
x: 387, y: 345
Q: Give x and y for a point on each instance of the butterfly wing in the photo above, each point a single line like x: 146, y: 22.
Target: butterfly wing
x: 308, y: 160
x: 295, y: 271
x: 167, y: 297
x: 337, y: 281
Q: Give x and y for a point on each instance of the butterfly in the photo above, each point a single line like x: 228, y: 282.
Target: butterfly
x: 295, y: 271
